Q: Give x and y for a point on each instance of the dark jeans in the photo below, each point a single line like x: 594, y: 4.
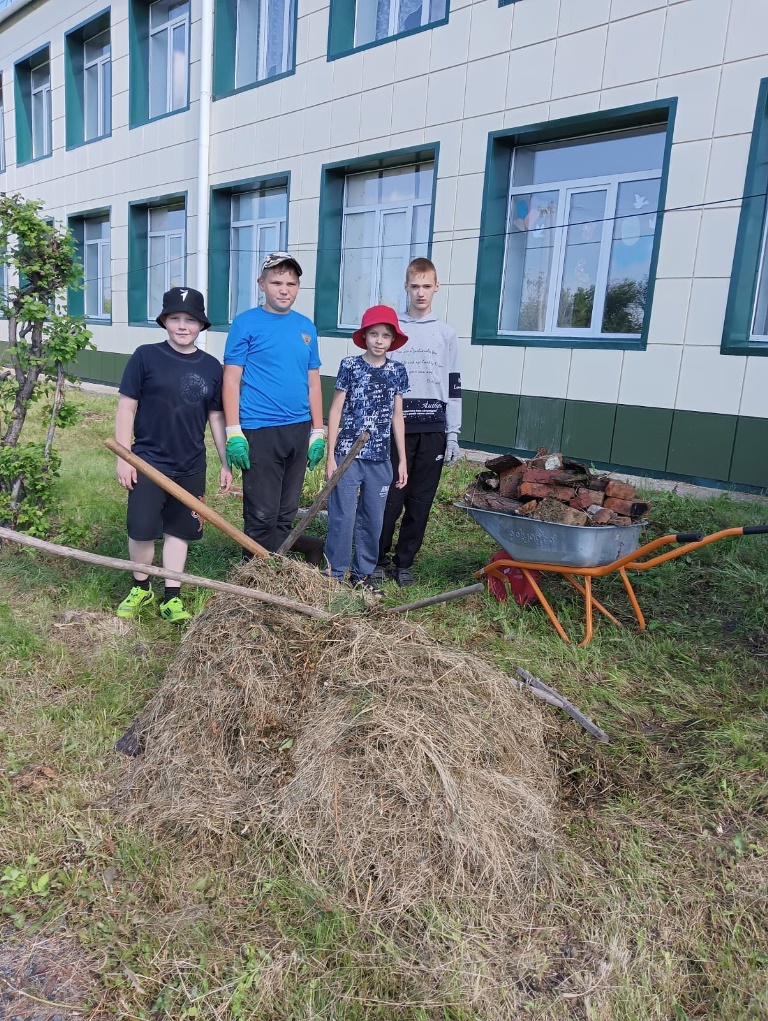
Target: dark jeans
x: 272, y: 485
x: 424, y: 454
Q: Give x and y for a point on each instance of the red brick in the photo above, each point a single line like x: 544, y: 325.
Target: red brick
x: 541, y: 491
x: 620, y: 519
x: 602, y: 516
x: 538, y: 475
x: 620, y: 491
x: 509, y: 482
x: 586, y: 498
x: 528, y: 508
x: 623, y: 507
x: 640, y: 509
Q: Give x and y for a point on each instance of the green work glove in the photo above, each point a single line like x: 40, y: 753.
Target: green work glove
x: 316, y: 449
x: 237, y: 448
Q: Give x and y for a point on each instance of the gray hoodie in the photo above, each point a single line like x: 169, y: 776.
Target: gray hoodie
x: 431, y: 358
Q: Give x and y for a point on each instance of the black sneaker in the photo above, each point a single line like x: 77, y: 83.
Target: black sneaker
x: 367, y: 584
x: 403, y: 577
x: 379, y: 574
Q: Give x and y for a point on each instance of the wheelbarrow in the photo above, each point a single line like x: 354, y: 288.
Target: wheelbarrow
x: 578, y: 551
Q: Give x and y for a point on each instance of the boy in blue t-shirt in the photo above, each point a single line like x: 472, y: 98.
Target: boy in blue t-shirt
x: 273, y: 402
x: 368, y: 396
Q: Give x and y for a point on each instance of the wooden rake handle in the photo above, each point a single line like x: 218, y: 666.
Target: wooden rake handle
x: 186, y: 498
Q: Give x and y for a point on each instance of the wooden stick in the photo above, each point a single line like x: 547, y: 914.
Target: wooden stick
x: 317, y: 504
x: 457, y: 593
x: 551, y: 697
x: 205, y: 512
x: 162, y: 572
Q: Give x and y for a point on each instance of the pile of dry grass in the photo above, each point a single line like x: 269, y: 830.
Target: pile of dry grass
x: 404, y: 773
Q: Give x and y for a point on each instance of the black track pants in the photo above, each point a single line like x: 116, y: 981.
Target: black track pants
x: 425, y: 453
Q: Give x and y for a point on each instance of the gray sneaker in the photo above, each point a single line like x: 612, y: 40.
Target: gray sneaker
x: 403, y: 577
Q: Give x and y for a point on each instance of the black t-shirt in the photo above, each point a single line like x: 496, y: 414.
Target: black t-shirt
x: 175, y: 394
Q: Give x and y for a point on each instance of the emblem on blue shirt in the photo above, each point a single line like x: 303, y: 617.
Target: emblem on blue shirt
x: 306, y: 338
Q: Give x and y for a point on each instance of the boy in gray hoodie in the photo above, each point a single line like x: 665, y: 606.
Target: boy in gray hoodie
x: 432, y: 412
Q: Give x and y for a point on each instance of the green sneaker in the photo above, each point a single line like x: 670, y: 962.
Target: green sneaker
x: 173, y: 610
x: 137, y: 598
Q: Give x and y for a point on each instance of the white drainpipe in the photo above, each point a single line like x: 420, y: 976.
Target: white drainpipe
x: 203, y: 146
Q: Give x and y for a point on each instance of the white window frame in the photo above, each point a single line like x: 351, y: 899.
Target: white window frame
x: 41, y: 107
x: 760, y: 310
x: 168, y: 235
x: 168, y: 26
x: 102, y: 249
x: 259, y: 225
x: 381, y: 210
x: 244, y: 45
x: 103, y: 65
x: 566, y: 189
x: 428, y: 15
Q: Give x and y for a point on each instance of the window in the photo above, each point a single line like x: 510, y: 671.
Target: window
x: 157, y: 254
x: 582, y: 219
x: 41, y: 110
x: 580, y: 230
x: 269, y: 25
x: 98, y: 282
x: 254, y: 42
x: 2, y: 128
x: 249, y: 219
x: 358, y: 23
x: 746, y: 316
x: 159, y: 58
x: 92, y: 236
x: 381, y: 19
x: 385, y: 224
x: 375, y: 216
x: 167, y: 253
x: 259, y: 226
x: 88, y: 81
x: 168, y: 56
x: 33, y: 107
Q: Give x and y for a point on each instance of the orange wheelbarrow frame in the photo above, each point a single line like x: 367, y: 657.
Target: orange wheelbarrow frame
x: 687, y: 542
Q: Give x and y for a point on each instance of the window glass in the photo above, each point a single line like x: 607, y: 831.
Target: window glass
x: 264, y: 43
x: 581, y: 226
x: 97, y: 86
x: 97, y: 269
x: 379, y: 19
x: 385, y: 224
x: 166, y: 252
x: 2, y: 128
x: 259, y: 226
x: 41, y: 110
x: 168, y: 56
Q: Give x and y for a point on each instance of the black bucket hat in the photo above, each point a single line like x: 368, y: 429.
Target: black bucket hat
x: 184, y: 299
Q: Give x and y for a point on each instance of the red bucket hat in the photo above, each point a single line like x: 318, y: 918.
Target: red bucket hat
x: 380, y: 314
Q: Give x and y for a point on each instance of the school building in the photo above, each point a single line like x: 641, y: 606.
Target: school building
x: 590, y: 178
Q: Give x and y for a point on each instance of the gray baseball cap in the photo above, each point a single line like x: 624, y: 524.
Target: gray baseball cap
x: 280, y: 259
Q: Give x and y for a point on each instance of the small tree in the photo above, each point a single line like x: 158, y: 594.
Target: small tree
x: 42, y: 342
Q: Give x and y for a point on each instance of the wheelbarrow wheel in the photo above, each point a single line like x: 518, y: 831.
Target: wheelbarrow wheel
x: 513, y: 581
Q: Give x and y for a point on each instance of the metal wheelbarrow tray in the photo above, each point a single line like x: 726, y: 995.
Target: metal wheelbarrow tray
x: 545, y: 542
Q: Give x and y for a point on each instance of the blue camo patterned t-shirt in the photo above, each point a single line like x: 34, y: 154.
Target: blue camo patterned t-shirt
x: 368, y: 405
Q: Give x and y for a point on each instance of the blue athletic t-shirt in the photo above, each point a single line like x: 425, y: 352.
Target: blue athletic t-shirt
x: 276, y: 353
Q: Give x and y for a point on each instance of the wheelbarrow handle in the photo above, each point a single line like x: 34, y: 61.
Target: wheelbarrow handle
x: 755, y: 529
x: 689, y: 537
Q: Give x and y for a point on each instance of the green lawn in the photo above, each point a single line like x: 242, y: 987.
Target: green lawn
x: 658, y: 907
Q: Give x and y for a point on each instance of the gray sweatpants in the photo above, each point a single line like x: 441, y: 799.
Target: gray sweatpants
x: 355, y: 513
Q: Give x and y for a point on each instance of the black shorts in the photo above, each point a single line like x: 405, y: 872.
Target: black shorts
x: 153, y: 513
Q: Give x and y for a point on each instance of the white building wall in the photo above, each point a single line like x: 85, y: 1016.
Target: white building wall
x: 489, y: 68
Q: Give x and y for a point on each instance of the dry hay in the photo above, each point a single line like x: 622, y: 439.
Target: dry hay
x: 404, y: 773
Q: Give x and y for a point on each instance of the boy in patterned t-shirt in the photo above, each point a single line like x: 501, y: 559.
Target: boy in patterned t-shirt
x: 368, y: 396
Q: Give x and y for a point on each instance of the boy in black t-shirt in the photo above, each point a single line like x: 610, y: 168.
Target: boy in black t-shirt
x: 168, y: 393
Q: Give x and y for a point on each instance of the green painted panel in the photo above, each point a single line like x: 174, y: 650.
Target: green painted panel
x: 496, y: 420
x: 327, y: 383
x: 641, y: 437
x: 540, y: 423
x: 469, y: 402
x: 701, y: 444
x: 588, y: 430
x: 750, y: 453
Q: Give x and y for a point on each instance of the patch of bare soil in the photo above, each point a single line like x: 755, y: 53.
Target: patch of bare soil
x: 44, y: 978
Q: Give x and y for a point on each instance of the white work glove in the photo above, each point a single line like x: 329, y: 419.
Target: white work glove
x: 452, y: 450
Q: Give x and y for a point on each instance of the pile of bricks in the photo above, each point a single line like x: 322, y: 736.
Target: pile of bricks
x: 550, y: 487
